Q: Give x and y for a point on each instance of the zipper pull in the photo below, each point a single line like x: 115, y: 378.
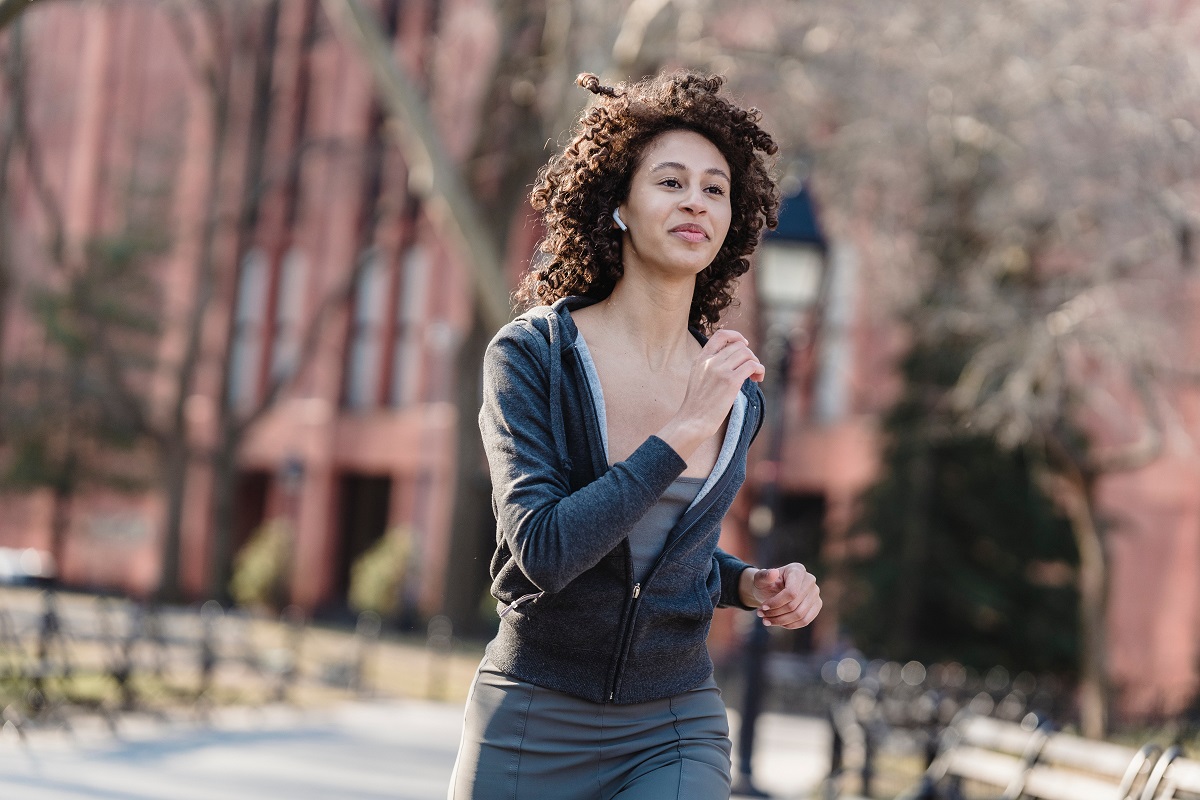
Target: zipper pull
x: 637, y: 589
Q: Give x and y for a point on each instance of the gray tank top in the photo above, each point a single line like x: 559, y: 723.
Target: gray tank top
x: 648, y: 536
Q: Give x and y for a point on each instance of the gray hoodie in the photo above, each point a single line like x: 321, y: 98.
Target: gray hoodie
x: 572, y: 617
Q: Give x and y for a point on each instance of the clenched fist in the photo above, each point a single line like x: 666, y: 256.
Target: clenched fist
x: 786, y: 596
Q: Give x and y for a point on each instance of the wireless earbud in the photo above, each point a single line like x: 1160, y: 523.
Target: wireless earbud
x: 617, y: 219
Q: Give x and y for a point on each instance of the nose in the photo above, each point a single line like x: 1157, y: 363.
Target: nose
x: 693, y: 201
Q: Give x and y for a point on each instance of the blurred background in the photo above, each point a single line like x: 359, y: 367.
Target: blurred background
x: 251, y: 252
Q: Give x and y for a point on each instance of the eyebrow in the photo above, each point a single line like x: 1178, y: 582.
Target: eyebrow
x: 678, y: 166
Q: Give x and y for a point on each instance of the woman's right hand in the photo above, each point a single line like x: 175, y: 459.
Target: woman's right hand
x: 717, y: 376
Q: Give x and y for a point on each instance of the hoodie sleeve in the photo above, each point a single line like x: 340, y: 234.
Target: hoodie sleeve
x: 731, y: 568
x: 555, y: 535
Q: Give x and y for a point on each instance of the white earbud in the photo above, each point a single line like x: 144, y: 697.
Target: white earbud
x: 617, y: 219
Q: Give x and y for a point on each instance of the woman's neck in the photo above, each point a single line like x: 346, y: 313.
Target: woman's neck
x: 653, y: 313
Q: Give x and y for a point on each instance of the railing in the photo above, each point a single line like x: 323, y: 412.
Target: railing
x: 112, y: 656
x: 982, y: 736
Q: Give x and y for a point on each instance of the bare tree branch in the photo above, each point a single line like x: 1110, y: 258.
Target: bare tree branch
x: 15, y: 80
x: 330, y: 305
x: 11, y: 9
x: 421, y: 146
x: 631, y: 39
x: 1149, y: 445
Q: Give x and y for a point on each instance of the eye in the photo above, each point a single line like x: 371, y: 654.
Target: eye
x: 670, y: 183
x: 716, y: 189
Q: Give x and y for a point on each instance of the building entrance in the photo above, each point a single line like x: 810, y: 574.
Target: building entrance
x: 364, y: 502
x: 249, y: 506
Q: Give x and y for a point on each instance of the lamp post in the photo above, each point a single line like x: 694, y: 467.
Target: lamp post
x: 791, y: 276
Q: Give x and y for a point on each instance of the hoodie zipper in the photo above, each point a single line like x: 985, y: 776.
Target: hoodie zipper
x: 631, y: 614
x: 600, y: 465
x: 685, y: 525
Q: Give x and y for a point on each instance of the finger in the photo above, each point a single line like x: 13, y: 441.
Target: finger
x: 734, y: 335
x: 793, y: 575
x: 806, y: 611
x: 750, y: 369
x: 790, y: 605
x: 735, y: 349
x: 734, y: 356
x: 803, y: 614
x: 723, y: 338
x: 809, y: 614
x: 795, y: 584
x: 782, y: 603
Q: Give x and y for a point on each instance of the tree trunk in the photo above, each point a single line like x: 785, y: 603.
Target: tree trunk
x: 175, y: 463
x: 12, y: 126
x: 452, y: 206
x: 1075, y: 490
x: 176, y: 447
x: 11, y: 9
x: 1093, y: 605
x: 220, y: 565
x: 913, y: 554
x: 470, y: 547
x: 60, y: 524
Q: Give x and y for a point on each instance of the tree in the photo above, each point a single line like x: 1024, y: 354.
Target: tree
x: 1019, y: 171
x: 75, y: 411
x: 225, y: 42
x: 219, y: 42
x: 974, y: 562
x: 76, y: 415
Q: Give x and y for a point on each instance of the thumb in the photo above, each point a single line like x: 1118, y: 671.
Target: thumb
x: 768, y: 579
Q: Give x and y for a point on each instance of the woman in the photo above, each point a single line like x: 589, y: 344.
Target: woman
x: 616, y: 434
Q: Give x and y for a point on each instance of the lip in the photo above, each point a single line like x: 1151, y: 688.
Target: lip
x: 690, y: 232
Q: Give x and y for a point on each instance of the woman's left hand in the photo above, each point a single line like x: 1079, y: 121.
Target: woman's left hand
x: 786, y: 596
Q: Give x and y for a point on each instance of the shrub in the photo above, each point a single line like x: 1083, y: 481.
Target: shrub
x: 378, y: 576
x: 260, y: 571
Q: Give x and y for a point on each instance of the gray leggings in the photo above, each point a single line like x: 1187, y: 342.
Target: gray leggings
x: 524, y: 742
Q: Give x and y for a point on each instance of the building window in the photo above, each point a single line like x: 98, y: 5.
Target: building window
x: 289, y: 311
x: 249, y: 310
x: 411, y: 300
x: 361, y: 388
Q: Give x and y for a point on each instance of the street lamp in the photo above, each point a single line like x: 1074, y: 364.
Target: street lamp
x: 791, y: 277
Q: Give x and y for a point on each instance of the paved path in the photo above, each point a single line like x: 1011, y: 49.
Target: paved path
x: 398, y: 750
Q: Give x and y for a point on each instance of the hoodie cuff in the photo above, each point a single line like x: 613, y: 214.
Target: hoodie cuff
x: 656, y: 464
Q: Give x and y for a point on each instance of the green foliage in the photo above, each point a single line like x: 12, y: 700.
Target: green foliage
x: 261, y: 567
x: 974, y: 563
x: 77, y: 401
x: 377, y: 576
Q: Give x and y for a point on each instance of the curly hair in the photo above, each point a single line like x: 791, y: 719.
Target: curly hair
x: 579, y: 188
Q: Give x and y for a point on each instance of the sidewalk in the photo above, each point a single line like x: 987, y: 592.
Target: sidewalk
x: 398, y: 750
x: 791, y: 755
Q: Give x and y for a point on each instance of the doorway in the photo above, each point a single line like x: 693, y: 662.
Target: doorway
x: 249, y: 506
x: 365, y: 503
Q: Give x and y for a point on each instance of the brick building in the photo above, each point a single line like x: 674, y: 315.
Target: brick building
x: 299, y: 192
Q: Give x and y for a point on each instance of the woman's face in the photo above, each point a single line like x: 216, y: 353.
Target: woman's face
x: 678, y: 209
